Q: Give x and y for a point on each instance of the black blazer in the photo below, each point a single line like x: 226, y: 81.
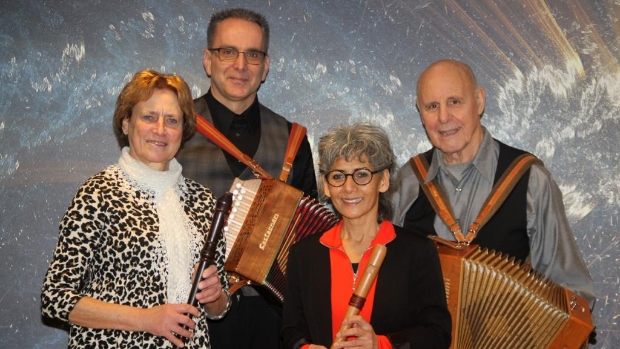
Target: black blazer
x: 410, y: 299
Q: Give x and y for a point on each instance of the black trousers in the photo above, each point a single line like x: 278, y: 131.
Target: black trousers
x: 251, y: 323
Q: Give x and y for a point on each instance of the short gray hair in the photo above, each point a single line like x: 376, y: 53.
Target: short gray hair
x: 354, y: 142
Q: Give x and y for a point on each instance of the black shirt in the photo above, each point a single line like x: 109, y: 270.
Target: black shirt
x: 244, y: 132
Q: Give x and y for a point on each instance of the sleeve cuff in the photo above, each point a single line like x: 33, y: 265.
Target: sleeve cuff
x: 302, y: 344
x: 223, y: 313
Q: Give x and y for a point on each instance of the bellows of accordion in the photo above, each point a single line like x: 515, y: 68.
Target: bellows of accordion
x: 266, y: 218
x: 497, y: 302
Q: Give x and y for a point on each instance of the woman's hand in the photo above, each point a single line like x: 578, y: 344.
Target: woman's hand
x: 161, y: 320
x: 211, y: 292
x: 360, y: 334
x: 168, y: 319
x: 210, y: 287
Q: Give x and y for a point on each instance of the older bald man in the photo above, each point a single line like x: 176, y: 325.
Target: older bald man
x: 466, y: 161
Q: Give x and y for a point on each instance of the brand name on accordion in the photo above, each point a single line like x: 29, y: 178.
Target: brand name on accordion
x: 267, y: 234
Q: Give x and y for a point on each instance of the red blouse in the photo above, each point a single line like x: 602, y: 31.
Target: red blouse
x: 342, y: 276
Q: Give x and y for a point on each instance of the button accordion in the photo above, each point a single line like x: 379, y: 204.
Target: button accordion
x: 497, y: 302
x: 266, y: 218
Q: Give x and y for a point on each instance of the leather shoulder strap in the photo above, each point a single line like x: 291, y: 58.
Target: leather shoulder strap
x: 498, y: 195
x: 294, y: 141
x: 436, y: 196
x: 208, y: 130
x: 502, y: 189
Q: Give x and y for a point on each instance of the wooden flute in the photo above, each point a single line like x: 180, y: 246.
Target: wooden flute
x: 207, y: 254
x: 368, y: 277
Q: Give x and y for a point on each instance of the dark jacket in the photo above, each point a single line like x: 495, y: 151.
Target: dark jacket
x: 204, y: 161
x: 410, y: 299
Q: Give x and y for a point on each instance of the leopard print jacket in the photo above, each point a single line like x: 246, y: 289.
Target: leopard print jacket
x: 109, y: 249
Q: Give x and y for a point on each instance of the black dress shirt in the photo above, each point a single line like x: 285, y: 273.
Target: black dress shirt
x: 244, y: 132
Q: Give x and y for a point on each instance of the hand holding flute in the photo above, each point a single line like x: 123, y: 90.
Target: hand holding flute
x: 358, y: 298
x: 206, y: 272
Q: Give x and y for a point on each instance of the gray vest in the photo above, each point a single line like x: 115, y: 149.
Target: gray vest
x: 204, y: 161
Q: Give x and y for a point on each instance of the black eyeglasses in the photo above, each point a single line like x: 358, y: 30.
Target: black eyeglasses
x: 361, y: 176
x: 230, y: 54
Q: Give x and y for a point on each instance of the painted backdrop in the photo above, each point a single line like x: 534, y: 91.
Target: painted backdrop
x: 550, y: 68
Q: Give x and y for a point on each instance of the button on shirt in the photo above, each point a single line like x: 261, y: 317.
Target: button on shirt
x: 476, y: 177
x: 242, y: 130
x: 553, y: 249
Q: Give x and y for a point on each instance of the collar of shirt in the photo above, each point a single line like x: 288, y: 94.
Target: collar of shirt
x: 331, y: 238
x: 223, y: 117
x: 485, y: 160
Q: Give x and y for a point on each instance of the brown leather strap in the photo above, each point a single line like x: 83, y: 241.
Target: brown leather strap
x: 496, y: 198
x: 209, y: 131
x: 294, y: 141
x: 436, y: 196
x: 236, y: 283
x: 501, y: 190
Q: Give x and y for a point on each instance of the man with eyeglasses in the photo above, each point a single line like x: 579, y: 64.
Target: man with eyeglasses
x: 237, y: 62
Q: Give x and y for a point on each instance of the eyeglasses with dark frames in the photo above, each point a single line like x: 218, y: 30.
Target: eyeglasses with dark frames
x: 360, y: 176
x: 230, y: 54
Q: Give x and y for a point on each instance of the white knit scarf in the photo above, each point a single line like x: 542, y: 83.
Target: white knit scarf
x: 173, y: 226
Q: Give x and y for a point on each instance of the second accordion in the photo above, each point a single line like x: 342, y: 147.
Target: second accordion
x: 266, y: 218
x: 497, y: 302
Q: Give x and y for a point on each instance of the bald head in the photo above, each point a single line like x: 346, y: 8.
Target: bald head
x: 450, y: 105
x: 448, y: 67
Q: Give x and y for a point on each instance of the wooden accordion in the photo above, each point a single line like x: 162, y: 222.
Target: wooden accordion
x: 266, y: 218
x: 497, y: 302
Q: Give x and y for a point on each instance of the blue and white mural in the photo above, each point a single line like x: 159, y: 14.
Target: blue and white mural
x: 550, y: 67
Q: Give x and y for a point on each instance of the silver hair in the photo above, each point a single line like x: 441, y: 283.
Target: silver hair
x: 359, y: 141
